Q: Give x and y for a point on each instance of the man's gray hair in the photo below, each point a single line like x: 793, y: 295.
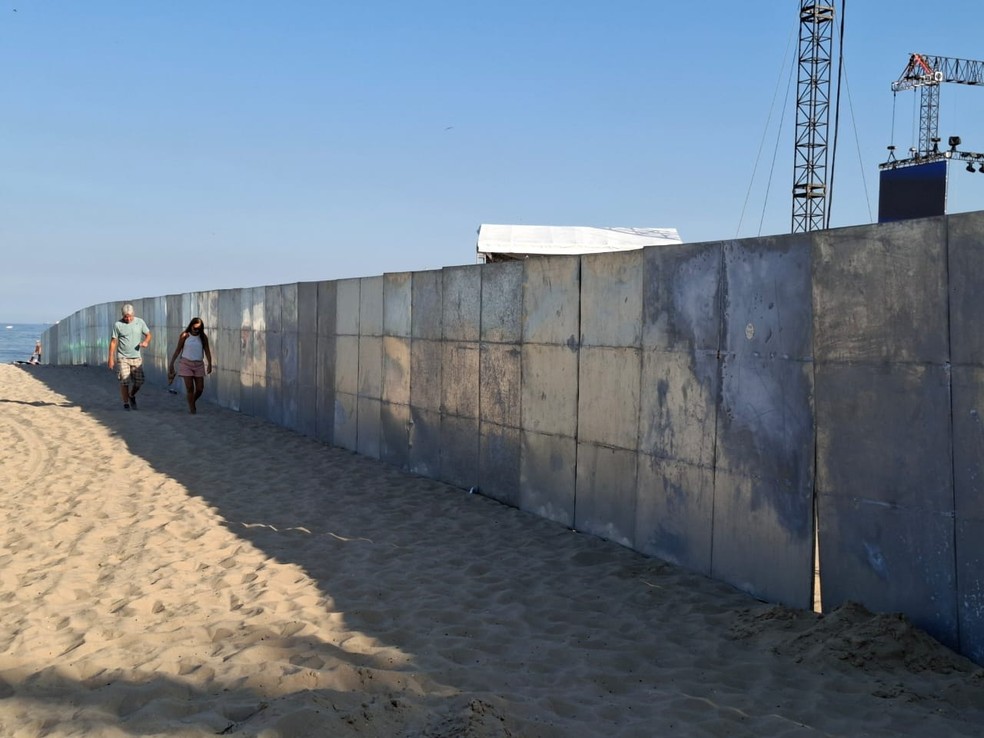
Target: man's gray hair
x: 127, y: 309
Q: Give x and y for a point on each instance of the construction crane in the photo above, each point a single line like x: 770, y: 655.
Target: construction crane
x: 812, y: 116
x: 927, y: 72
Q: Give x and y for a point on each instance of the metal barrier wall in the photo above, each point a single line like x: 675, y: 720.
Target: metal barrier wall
x: 719, y: 405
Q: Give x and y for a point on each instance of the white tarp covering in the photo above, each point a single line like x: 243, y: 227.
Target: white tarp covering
x: 517, y: 241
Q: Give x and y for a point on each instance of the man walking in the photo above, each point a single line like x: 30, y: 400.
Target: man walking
x: 130, y: 334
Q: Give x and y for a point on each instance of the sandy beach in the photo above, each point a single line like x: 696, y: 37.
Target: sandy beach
x: 177, y: 575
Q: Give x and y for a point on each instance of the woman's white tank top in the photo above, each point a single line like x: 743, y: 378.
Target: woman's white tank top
x: 193, y: 350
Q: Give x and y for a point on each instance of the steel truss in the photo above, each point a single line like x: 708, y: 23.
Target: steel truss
x: 812, y: 117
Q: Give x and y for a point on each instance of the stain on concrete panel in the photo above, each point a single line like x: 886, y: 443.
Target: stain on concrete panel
x: 502, y: 302
x: 307, y: 411
x: 768, y: 309
x: 970, y: 587
x: 499, y: 390
x: 678, y: 410
x: 273, y: 408
x: 247, y: 350
x: 459, y: 451
x: 253, y: 382
x: 274, y: 355
x: 345, y: 433
x: 547, y: 468
x: 682, y: 297
x: 289, y: 366
x: 459, y: 396
x: 426, y: 368
x: 228, y: 391
x: 968, y: 441
x: 674, y: 512
x: 290, y: 386
x: 175, y: 318
x: 307, y: 308
x: 551, y: 300
x: 611, y: 299
x: 889, y: 559
x: 325, y: 430
x: 307, y: 358
x: 397, y: 301
x: 228, y: 349
x: 371, y: 366
x: 549, y: 389
x: 288, y: 308
x: 273, y: 306
x: 884, y: 434
x: 880, y: 293
x: 606, y: 493
x: 499, y: 463
x: 255, y: 303
x: 394, y: 441
x: 462, y: 303
x: 371, y: 306
x: 259, y: 366
x: 758, y: 546
x: 369, y: 431
x: 425, y: 442
x: 396, y: 370
x: 966, y: 267
x: 608, y: 396
x: 210, y: 308
x: 347, y: 305
x: 765, y: 428
x: 427, y: 310
x: 327, y: 308
x: 347, y: 364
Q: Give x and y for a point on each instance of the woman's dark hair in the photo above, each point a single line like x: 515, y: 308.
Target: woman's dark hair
x: 192, y: 322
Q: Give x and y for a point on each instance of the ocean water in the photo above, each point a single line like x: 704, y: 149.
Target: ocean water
x: 17, y: 341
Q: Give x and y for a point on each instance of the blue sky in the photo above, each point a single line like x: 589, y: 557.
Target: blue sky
x: 151, y: 147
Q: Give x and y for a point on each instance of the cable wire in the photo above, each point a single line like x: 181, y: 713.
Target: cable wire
x: 765, y: 131
x: 772, y: 169
x: 837, y: 105
x: 857, y: 141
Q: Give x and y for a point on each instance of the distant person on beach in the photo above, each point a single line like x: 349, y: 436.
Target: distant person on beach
x: 130, y: 334
x: 194, y: 359
x: 36, y: 356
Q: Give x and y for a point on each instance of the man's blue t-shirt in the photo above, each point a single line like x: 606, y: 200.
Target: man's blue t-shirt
x: 128, y: 335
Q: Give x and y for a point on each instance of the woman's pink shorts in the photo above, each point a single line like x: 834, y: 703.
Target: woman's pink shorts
x: 187, y: 368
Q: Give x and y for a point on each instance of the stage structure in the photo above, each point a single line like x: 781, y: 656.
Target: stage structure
x: 915, y: 186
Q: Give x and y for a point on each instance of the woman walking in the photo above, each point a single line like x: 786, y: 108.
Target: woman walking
x: 194, y: 359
